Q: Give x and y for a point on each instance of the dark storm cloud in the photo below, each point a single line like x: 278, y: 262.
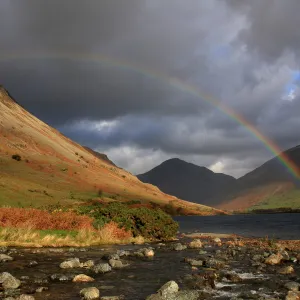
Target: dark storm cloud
x: 274, y: 26
x: 243, y: 53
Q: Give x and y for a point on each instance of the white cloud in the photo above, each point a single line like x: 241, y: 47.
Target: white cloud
x: 217, y: 167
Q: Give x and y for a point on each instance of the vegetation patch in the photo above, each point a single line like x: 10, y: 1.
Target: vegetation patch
x: 16, y: 157
x: 141, y: 221
x: 40, y: 219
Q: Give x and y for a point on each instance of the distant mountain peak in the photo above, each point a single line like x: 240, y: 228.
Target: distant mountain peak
x: 189, y: 181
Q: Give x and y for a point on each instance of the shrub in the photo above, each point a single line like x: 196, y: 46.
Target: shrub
x: 142, y: 221
x: 39, y: 219
x: 133, y: 202
x: 16, y: 157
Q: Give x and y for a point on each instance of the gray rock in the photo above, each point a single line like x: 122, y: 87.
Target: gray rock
x: 116, y: 264
x: 214, y: 263
x: 196, y: 263
x: 123, y: 253
x: 165, y: 292
x: 292, y: 286
x: 102, y: 268
x: 181, y: 295
x: 258, y: 258
x: 3, y: 249
x: 179, y: 247
x: 114, y: 256
x: 168, y: 288
x: 88, y: 264
x: 233, y: 277
x: 70, y: 263
x: 4, y: 258
x: 90, y: 293
x: 8, y: 281
x: 144, y: 252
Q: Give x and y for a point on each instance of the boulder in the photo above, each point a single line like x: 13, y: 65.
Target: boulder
x: 195, y: 244
x: 90, y: 293
x: 195, y: 263
x: 286, y: 270
x: 116, y: 264
x: 88, y: 264
x: 292, y: 286
x: 274, y: 259
x: 179, y: 247
x: 4, y: 258
x: 233, y: 277
x: 102, y: 268
x: 165, y: 292
x: 8, y: 281
x: 215, y: 263
x: 83, y: 278
x: 293, y: 296
x: 70, y: 263
x: 123, y: 253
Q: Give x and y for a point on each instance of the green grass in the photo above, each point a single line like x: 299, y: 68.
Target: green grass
x: 290, y: 199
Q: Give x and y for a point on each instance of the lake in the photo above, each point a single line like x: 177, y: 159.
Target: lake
x: 281, y: 226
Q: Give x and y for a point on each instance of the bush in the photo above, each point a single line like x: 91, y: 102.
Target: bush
x: 146, y: 222
x: 39, y: 219
x: 16, y: 157
x: 133, y: 202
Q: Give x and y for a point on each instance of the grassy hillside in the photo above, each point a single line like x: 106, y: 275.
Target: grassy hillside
x: 271, y: 196
x: 287, y: 199
x: 270, y: 186
x: 53, y: 168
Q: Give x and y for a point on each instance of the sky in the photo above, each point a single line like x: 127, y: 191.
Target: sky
x: 109, y: 74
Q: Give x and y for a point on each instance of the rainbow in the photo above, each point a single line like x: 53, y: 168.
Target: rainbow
x: 174, y: 82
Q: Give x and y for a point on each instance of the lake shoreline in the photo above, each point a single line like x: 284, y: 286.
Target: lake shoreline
x: 209, y: 267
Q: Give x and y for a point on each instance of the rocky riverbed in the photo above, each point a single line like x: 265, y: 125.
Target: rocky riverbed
x: 206, y: 268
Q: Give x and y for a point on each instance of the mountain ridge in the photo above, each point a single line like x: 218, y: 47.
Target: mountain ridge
x: 52, y: 168
x: 184, y: 179
x: 270, y: 184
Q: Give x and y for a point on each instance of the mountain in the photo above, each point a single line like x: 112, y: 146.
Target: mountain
x: 191, y: 182
x: 40, y: 166
x: 270, y: 186
x: 102, y: 156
